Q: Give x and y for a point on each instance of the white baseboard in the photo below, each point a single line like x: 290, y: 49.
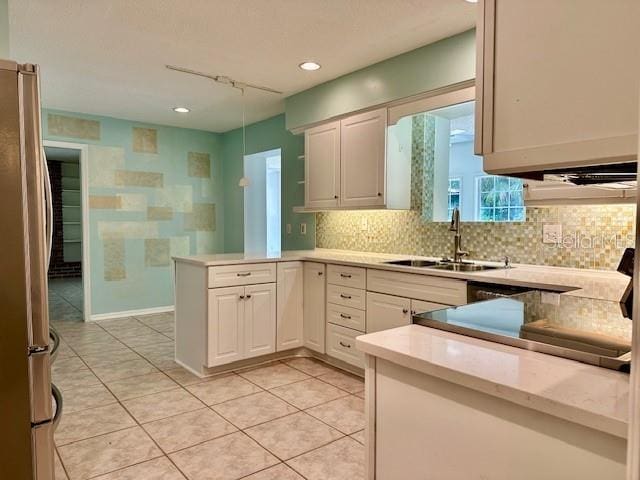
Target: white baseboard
x: 131, y: 313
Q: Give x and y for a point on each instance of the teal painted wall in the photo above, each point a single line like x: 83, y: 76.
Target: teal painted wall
x: 261, y: 136
x: 130, y: 243
x: 4, y: 29
x: 439, y: 64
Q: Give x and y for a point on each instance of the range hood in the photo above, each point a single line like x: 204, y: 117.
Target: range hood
x: 593, y: 184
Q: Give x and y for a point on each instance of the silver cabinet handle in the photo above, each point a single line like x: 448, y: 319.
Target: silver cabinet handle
x: 405, y: 311
x: 345, y: 275
x: 243, y: 274
x: 345, y: 345
x: 348, y: 317
x: 346, y: 297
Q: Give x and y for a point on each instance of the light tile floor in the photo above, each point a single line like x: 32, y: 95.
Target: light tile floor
x: 130, y: 412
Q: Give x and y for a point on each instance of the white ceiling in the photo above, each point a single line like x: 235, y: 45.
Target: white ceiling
x: 107, y: 57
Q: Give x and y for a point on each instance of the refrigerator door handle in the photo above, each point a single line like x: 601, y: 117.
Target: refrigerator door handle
x: 48, y: 207
x: 40, y: 376
x: 54, y: 336
x: 57, y: 396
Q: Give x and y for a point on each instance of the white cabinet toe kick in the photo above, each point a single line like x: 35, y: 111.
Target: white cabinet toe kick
x: 229, y: 316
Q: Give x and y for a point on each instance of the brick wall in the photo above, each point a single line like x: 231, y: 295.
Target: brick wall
x: 58, y: 267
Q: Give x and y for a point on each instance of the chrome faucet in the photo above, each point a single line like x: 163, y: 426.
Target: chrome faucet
x: 458, y: 253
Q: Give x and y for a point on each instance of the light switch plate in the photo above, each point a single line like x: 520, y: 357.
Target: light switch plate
x: 303, y: 229
x: 552, y: 233
x: 288, y: 229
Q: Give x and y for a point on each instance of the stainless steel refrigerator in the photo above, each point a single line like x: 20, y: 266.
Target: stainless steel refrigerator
x: 28, y: 411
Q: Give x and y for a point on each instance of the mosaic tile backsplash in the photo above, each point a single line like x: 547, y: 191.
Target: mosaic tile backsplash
x: 592, y: 236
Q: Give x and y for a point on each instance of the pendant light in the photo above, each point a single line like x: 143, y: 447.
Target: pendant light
x: 244, y: 181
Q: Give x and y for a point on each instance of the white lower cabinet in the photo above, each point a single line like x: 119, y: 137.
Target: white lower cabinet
x: 387, y: 311
x: 290, y: 311
x: 241, y: 323
x: 259, y: 319
x: 314, y: 306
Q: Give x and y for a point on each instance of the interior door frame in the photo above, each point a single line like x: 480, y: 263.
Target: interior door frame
x: 84, y: 202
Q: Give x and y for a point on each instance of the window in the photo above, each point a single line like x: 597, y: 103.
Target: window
x: 453, y: 195
x: 500, y: 199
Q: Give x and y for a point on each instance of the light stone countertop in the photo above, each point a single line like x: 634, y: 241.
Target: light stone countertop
x: 584, y: 394
x: 598, y: 284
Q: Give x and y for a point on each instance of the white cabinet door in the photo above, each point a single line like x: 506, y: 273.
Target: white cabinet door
x: 290, y: 312
x: 362, y: 159
x: 322, y: 165
x: 314, y: 306
x: 387, y: 311
x: 260, y: 319
x: 420, y: 306
x: 225, y: 338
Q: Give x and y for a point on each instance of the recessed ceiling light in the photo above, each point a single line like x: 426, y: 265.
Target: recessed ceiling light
x: 309, y: 66
x: 181, y: 109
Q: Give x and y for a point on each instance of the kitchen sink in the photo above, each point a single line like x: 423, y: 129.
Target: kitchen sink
x: 413, y: 263
x: 464, y: 267
x: 452, y: 267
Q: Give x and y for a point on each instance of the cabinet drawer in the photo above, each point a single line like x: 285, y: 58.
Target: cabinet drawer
x: 442, y: 290
x: 346, y: 316
x: 341, y: 344
x: 346, y: 296
x: 354, y: 277
x: 245, y: 274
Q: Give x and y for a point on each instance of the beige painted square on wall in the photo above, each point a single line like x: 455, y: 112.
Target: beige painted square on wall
x: 104, y: 202
x: 65, y: 126
x: 159, y: 213
x: 203, y: 217
x: 157, y: 252
x: 178, y: 197
x: 135, y: 178
x: 199, y: 165
x: 133, y: 202
x: 145, y: 140
x: 103, y: 162
x: 114, y: 267
x: 117, y: 230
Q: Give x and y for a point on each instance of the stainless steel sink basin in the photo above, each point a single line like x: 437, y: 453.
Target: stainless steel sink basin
x: 413, y: 263
x: 463, y: 267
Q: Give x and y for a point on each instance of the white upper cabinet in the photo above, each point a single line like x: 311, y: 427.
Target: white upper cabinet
x: 347, y: 165
x: 362, y: 159
x: 322, y: 165
x: 290, y: 313
x: 557, y: 83
x: 314, y: 306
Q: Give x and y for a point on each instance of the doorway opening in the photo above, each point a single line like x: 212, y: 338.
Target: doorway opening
x: 262, y: 202
x: 68, y: 272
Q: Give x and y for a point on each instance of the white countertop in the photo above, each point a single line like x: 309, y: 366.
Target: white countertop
x: 600, y: 284
x: 584, y: 394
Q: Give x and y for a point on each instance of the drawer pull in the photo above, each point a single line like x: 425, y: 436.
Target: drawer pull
x: 241, y: 297
x: 320, y: 273
x: 243, y: 274
x: 348, y: 317
x: 248, y: 297
x: 346, y: 297
x: 345, y: 345
x: 345, y: 275
x: 405, y: 311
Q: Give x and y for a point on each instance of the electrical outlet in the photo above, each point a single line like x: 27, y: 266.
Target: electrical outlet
x: 552, y: 233
x: 288, y: 229
x: 303, y: 229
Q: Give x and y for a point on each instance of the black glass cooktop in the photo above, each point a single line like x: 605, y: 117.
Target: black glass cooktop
x: 583, y: 329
